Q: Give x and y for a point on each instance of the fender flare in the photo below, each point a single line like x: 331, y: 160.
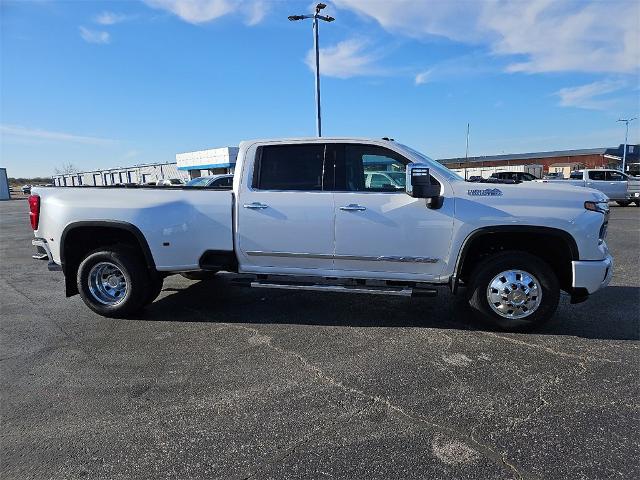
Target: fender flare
x: 497, y: 229
x: 116, y: 224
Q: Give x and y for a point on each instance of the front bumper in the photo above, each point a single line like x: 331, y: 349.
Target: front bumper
x: 44, y: 253
x: 592, y: 275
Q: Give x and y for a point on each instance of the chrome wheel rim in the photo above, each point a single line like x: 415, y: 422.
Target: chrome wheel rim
x: 514, y: 294
x: 107, y: 283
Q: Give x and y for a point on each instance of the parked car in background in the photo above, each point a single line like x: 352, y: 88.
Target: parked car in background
x: 385, y: 180
x: 553, y: 176
x: 170, y: 182
x: 516, y: 176
x: 301, y: 209
x: 616, y: 185
x: 221, y: 181
x: 26, y: 189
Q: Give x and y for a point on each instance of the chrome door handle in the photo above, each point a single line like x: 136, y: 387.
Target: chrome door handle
x: 255, y: 205
x: 353, y: 207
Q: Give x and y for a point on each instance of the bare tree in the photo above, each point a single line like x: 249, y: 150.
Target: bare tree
x: 66, y: 169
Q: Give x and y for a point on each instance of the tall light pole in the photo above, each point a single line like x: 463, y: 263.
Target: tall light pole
x: 316, y: 16
x: 627, y: 121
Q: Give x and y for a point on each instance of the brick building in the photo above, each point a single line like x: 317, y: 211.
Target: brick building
x: 587, y: 158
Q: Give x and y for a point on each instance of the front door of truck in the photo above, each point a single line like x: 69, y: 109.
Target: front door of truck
x: 285, y: 219
x: 618, y: 185
x: 379, y: 227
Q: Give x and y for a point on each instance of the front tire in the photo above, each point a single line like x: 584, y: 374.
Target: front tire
x: 113, y: 282
x: 514, y: 291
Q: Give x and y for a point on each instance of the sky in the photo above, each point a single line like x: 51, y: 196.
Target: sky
x: 103, y: 84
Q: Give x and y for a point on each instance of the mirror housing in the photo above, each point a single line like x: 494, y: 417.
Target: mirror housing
x: 419, y: 185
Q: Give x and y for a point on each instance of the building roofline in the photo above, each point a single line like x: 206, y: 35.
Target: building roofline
x: 108, y: 169
x: 524, y: 156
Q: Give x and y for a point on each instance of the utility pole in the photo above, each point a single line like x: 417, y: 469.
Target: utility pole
x: 627, y: 121
x: 316, y: 46
x: 466, y: 153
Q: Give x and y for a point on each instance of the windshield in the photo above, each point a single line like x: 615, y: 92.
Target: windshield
x: 198, y: 182
x: 434, y: 165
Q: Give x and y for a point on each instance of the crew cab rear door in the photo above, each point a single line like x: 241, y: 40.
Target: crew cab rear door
x: 285, y: 219
x: 598, y: 179
x: 380, y: 229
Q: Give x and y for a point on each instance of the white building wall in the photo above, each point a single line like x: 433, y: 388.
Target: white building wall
x: 111, y: 176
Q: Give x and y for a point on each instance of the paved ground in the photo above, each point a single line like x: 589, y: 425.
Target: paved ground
x: 219, y: 381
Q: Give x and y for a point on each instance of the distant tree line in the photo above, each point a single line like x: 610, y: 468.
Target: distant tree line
x: 28, y: 181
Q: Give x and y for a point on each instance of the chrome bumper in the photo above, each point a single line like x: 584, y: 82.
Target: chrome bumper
x: 592, y: 275
x: 42, y: 244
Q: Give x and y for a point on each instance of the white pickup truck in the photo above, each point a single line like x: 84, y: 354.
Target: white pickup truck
x: 618, y: 186
x: 307, y: 214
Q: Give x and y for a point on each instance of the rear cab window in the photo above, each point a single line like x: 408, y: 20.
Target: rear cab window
x: 597, y: 175
x: 289, y: 167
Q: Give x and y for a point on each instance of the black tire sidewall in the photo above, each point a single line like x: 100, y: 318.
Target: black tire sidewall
x: 495, y: 264
x: 134, y: 273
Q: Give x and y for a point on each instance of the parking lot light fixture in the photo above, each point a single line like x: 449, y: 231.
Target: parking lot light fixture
x: 627, y: 121
x: 326, y: 18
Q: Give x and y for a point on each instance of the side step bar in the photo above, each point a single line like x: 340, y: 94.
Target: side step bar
x: 395, y: 291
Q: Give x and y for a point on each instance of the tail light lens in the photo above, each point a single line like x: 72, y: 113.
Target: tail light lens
x: 34, y: 210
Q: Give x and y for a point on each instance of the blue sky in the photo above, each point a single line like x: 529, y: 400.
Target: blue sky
x: 103, y: 84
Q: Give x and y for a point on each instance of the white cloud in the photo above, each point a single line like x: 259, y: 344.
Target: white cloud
x: 419, y: 18
x: 423, y: 77
x: 550, y: 35
x: 111, y: 18
x: 590, y: 96
x: 203, y: 11
x: 344, y: 60
x: 255, y: 12
x: 94, y: 36
x: 557, y: 36
x: 37, y: 134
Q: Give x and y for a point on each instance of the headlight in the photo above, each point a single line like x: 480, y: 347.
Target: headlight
x: 600, y: 207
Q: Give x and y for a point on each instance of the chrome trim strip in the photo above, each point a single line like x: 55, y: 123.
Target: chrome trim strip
x: 404, y: 292
x: 382, y: 258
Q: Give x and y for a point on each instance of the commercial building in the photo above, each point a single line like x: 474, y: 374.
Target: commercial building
x: 207, y: 162
x: 562, y: 159
x: 141, y: 174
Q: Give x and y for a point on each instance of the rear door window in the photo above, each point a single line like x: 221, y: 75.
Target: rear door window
x: 290, y: 167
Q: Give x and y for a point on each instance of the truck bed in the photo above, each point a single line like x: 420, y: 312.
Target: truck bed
x: 179, y: 224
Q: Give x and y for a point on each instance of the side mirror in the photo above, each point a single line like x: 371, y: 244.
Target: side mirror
x: 420, y: 186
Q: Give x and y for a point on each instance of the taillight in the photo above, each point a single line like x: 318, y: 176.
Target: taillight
x: 34, y: 210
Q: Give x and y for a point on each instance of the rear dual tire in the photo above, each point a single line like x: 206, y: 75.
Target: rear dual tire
x: 116, y: 283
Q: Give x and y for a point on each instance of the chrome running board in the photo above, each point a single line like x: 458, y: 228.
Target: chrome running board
x: 371, y: 290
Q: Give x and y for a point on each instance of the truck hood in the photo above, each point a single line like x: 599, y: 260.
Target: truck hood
x: 529, y: 193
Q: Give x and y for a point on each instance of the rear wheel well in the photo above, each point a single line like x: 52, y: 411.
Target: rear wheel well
x: 553, y: 248
x: 78, y: 241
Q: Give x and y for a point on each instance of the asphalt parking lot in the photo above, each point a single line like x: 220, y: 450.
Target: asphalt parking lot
x: 220, y: 381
